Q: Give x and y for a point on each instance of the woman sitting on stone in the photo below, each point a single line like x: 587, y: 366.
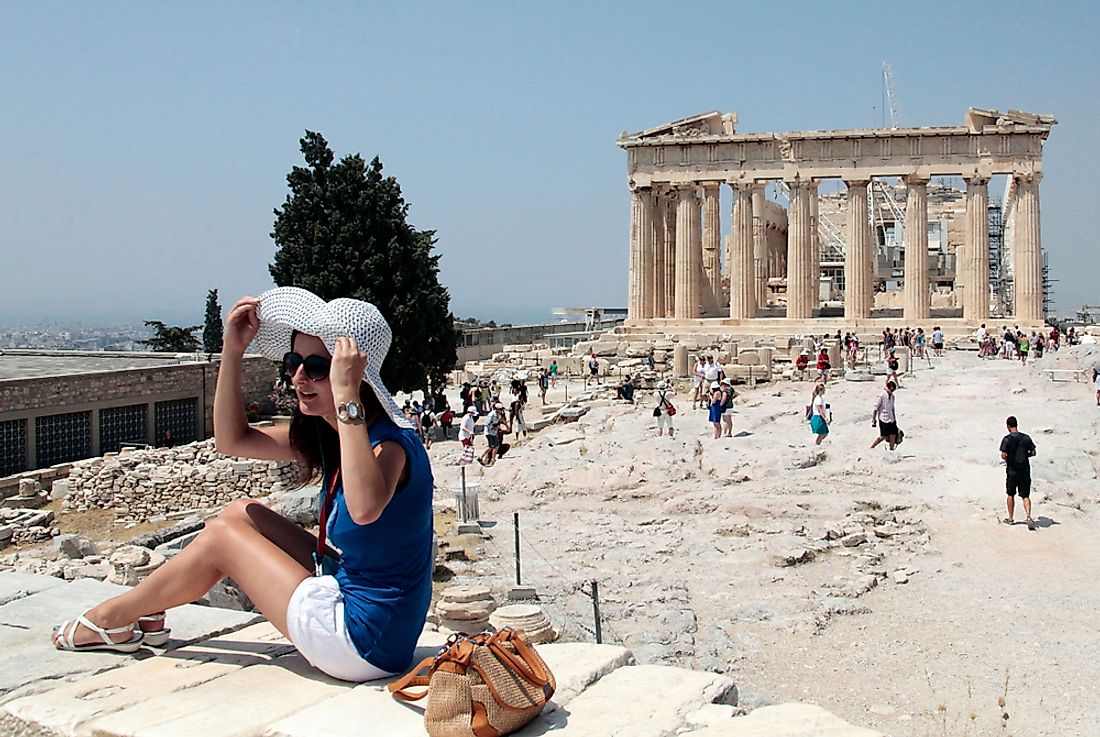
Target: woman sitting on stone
x: 357, y: 615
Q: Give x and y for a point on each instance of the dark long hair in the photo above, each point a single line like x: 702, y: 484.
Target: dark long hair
x: 317, y: 443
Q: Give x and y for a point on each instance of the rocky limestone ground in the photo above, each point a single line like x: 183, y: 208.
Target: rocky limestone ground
x: 878, y: 584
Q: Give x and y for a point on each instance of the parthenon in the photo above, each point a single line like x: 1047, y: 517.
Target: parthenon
x: 683, y: 274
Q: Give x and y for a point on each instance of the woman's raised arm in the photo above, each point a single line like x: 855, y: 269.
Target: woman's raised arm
x: 232, y: 434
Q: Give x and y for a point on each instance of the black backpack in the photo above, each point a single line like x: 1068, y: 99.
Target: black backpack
x: 728, y: 403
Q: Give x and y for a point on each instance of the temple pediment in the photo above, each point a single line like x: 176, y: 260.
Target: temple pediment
x: 713, y: 123
x: 977, y: 119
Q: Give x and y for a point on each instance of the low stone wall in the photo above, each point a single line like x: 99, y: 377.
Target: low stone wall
x: 142, y: 484
x: 619, y: 355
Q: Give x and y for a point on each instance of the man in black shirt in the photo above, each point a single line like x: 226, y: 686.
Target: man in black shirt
x: 1016, y: 449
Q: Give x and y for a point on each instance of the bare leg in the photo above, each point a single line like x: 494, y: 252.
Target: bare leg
x: 1011, y: 508
x: 877, y: 441
x: 1027, y: 507
x: 265, y: 554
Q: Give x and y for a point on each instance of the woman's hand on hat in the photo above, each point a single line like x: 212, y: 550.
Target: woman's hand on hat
x: 348, y: 363
x: 241, y: 325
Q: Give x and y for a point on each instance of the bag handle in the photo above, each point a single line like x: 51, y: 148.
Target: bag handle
x: 412, y: 679
x: 524, y: 670
x: 528, y: 663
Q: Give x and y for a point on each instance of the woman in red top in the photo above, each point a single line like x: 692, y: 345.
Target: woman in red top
x: 823, y: 365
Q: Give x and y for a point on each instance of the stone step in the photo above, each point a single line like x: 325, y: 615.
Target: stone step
x: 19, y: 585
x: 784, y: 720
x: 28, y: 659
x: 67, y: 709
x: 252, y: 682
x: 575, y: 666
x: 636, y: 700
x: 239, y: 704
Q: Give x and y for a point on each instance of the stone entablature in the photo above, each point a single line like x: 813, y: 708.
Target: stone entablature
x: 662, y: 156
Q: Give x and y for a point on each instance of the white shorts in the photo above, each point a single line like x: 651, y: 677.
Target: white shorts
x: 664, y: 420
x: 315, y: 621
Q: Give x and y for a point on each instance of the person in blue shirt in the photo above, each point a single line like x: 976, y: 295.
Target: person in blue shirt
x: 354, y: 598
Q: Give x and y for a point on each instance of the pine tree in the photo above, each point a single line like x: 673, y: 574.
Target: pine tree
x: 171, y: 338
x: 342, y: 233
x: 212, y: 329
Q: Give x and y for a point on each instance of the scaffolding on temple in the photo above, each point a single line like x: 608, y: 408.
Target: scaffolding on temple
x: 999, y: 279
x: 1048, y: 288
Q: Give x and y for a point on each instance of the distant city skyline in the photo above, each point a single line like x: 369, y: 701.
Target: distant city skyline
x: 147, y: 145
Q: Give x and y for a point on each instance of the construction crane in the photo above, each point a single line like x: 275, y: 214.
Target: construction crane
x: 830, y: 236
x: 891, y: 94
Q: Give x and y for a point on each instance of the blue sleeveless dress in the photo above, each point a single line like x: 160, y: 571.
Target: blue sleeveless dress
x: 385, y: 567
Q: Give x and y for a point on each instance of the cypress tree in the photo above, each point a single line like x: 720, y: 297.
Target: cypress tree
x: 212, y: 325
x: 342, y: 232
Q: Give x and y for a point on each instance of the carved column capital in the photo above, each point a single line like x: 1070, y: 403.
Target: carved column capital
x: 856, y: 182
x: 977, y: 181
x: 1031, y: 177
x: 915, y: 180
x: 805, y: 184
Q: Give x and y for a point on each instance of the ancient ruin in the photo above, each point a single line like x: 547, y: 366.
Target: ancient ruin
x: 768, y: 280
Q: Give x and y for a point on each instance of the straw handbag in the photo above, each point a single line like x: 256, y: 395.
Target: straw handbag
x: 482, y: 685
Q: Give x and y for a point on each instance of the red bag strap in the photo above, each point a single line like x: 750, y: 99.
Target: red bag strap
x: 330, y: 495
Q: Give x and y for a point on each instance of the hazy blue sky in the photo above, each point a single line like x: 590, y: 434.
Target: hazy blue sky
x: 145, y: 144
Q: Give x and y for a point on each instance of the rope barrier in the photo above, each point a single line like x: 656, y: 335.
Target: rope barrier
x: 556, y: 585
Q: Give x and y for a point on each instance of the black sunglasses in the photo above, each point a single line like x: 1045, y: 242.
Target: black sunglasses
x: 316, y: 366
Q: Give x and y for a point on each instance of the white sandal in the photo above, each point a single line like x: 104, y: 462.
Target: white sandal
x: 64, y: 637
x: 154, y: 638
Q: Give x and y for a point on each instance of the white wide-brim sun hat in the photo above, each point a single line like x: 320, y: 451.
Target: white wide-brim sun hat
x: 284, y: 310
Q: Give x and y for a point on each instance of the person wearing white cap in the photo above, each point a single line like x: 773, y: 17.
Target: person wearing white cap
x: 466, y: 429
x: 493, y: 428
x: 801, y: 364
x: 357, y: 616
x: 466, y: 432
x: 664, y: 409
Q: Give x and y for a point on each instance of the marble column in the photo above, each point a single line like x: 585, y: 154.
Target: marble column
x: 815, y: 251
x: 712, y: 244
x: 759, y: 245
x: 859, y: 280
x: 634, y: 290
x: 671, y: 208
x: 973, y: 266
x: 645, y: 251
x: 742, y: 265
x: 917, y: 301
x: 799, y: 246
x: 688, y: 255
x: 1027, y: 252
x: 657, y: 275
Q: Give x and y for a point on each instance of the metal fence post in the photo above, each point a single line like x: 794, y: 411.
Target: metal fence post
x: 515, y: 519
x: 596, y: 611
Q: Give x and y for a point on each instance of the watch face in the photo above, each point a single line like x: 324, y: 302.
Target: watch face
x: 354, y: 413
